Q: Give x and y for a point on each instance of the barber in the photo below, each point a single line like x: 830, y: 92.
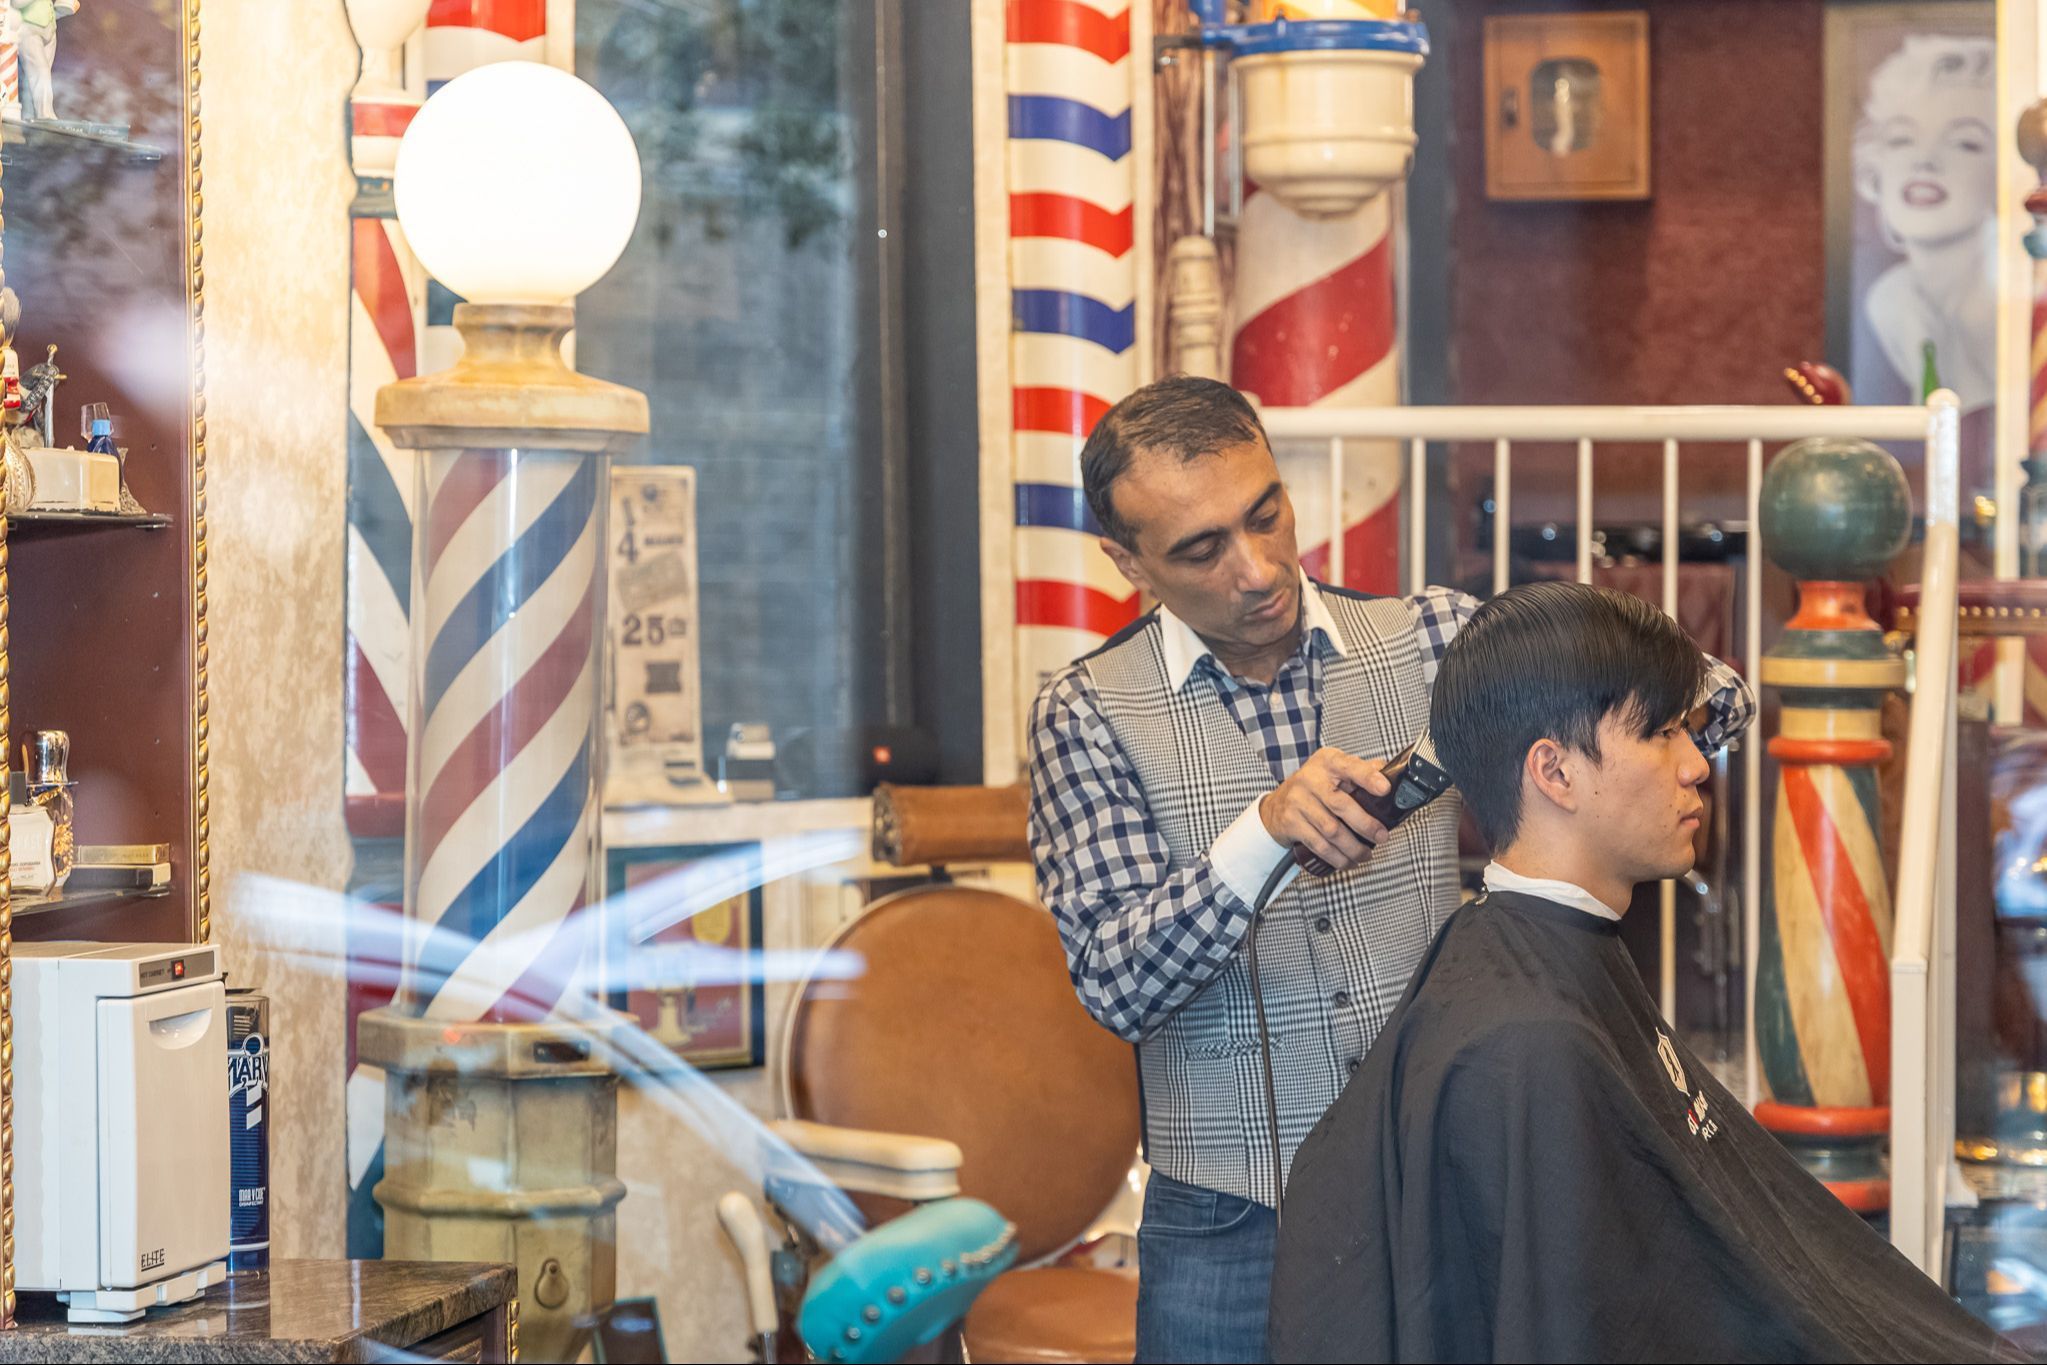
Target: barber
x: 1172, y: 769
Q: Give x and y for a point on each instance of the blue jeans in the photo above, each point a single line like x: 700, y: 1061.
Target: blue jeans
x: 1204, y: 1274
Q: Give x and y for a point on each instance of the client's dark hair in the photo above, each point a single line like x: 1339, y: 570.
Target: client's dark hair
x: 1551, y: 661
x: 1183, y: 414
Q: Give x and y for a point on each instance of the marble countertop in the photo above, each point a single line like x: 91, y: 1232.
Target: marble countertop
x: 307, y: 1311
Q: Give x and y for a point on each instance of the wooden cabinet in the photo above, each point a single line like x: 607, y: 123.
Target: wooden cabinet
x: 1567, y: 106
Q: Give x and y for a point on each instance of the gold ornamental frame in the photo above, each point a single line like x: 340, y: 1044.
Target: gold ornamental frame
x: 6, y: 925
x: 195, y: 286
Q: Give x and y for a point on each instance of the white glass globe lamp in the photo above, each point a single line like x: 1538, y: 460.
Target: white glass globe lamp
x: 517, y: 183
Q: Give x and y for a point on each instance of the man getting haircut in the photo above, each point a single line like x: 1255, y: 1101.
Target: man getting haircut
x: 1530, y: 1165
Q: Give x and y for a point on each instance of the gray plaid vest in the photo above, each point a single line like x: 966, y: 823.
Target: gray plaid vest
x: 1334, y: 955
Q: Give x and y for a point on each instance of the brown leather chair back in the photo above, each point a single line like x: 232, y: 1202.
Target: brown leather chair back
x: 964, y: 1026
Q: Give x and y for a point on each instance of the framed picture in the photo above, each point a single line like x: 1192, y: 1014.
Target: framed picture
x: 1567, y: 106
x: 1912, y: 149
x: 686, y: 927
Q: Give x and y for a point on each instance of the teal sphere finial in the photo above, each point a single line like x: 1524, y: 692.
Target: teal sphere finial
x: 1835, y: 509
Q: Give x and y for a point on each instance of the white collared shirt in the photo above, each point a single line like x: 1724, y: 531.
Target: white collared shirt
x: 1498, y: 878
x: 1184, y: 649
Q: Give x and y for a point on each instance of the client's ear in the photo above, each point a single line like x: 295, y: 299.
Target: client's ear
x: 1548, y: 772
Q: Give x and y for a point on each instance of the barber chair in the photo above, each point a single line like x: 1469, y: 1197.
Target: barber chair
x: 957, y: 1062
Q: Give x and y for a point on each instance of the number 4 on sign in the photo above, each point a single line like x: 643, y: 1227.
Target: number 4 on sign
x: 628, y: 544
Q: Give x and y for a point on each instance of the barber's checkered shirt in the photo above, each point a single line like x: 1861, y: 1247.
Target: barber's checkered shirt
x: 1141, y: 937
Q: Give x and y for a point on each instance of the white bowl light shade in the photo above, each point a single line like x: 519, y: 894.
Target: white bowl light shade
x: 517, y: 183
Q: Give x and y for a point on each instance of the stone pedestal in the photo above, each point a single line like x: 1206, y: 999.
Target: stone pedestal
x: 501, y: 1144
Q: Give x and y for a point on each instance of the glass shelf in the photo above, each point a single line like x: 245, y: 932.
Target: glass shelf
x: 79, y: 898
x: 28, y: 524
x: 19, y: 140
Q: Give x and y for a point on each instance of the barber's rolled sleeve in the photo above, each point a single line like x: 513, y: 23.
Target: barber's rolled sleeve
x: 1141, y: 937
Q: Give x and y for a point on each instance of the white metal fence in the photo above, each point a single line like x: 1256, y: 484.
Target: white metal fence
x: 1922, y: 956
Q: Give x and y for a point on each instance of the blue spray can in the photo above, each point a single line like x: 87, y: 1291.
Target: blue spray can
x: 248, y: 1135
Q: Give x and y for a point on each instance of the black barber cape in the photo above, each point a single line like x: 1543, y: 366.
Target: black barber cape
x: 1530, y: 1166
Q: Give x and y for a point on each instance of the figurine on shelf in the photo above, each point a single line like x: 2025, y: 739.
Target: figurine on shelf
x: 38, y: 395
x: 36, y: 46
x: 20, y: 475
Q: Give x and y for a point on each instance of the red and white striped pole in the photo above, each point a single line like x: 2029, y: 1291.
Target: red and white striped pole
x: 1314, y: 300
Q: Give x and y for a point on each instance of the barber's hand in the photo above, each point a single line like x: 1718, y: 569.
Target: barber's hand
x: 1314, y: 808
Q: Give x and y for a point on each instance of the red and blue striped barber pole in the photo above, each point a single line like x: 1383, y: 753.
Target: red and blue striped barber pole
x: 1073, y: 277
x: 387, y: 312
x: 501, y: 856
x: 386, y: 325
x: 386, y: 316
x: 400, y: 327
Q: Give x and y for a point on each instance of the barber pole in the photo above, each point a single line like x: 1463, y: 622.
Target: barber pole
x: 462, y: 35
x: 387, y: 299
x: 1822, y: 993
x: 502, y: 854
x: 1314, y: 301
x: 2034, y: 557
x: 499, y: 1122
x: 386, y: 95
x: 400, y: 326
x: 1326, y: 9
x: 1073, y: 277
x: 2036, y: 250
x: 387, y: 312
x: 10, y: 76
x: 1315, y: 308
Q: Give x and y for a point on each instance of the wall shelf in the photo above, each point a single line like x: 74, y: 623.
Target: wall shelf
x: 82, y: 898
x: 20, y: 141
x: 33, y: 525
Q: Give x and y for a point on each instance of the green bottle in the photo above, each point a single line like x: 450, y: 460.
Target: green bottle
x: 1929, y: 373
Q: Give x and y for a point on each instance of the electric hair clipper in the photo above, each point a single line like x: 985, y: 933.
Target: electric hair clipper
x: 1417, y: 779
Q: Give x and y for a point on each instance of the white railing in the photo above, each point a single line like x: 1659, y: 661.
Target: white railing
x: 1923, y: 934
x: 1922, y: 960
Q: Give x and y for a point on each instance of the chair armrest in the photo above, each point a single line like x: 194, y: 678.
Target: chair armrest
x: 742, y: 1225
x: 866, y: 1162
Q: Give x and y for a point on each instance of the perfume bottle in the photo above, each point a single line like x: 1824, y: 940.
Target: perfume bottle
x: 48, y: 767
